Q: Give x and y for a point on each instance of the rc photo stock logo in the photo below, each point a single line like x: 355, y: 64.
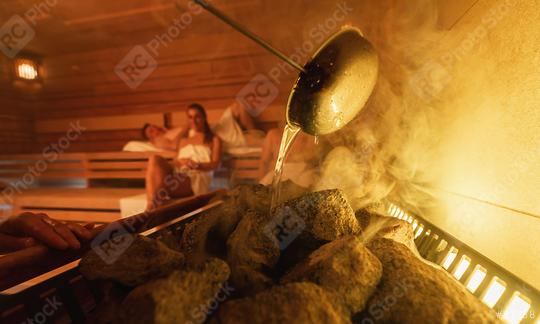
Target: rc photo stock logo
x: 285, y: 227
x: 136, y: 66
x: 430, y: 80
x: 257, y: 94
x: 140, y: 62
x: 18, y: 30
x: 112, y: 242
x: 15, y: 34
x: 434, y: 76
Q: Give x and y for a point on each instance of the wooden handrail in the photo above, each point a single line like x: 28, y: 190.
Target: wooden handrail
x: 25, y: 264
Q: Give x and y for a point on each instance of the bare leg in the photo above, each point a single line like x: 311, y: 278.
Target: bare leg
x: 162, y: 183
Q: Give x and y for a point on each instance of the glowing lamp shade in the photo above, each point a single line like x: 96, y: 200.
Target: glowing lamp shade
x: 517, y: 308
x: 494, y: 292
x: 26, y: 69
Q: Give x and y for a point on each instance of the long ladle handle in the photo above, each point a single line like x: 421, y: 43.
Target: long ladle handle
x: 216, y: 12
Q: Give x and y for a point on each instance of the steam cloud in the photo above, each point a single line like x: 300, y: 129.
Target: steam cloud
x: 385, y: 152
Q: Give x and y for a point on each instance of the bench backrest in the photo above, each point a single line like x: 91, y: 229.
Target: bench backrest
x: 30, y: 168
x: 112, y: 132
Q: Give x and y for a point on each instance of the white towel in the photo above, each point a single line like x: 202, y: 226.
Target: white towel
x: 139, y: 146
x: 229, y: 131
x: 200, y: 180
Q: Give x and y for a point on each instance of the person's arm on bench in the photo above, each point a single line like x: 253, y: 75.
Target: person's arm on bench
x: 29, y: 229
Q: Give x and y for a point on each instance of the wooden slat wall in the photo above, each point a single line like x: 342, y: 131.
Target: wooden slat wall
x: 81, y: 44
x: 84, y: 87
x: 16, y: 124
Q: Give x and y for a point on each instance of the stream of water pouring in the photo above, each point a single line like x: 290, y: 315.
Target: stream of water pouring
x: 289, y: 134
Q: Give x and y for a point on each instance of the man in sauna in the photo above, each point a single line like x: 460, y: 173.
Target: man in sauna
x: 199, y: 153
x: 229, y: 128
x: 161, y: 138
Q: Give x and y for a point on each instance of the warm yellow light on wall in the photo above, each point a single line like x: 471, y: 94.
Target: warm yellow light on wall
x: 26, y: 69
x: 476, y: 278
x: 494, y: 292
x: 463, y: 265
x: 517, y: 308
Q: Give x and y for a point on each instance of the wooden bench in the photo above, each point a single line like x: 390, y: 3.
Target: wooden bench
x: 67, y: 187
x: 89, y: 186
x: 242, y: 169
x: 38, y: 168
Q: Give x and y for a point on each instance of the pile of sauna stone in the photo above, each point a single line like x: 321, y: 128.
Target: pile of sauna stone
x: 312, y: 259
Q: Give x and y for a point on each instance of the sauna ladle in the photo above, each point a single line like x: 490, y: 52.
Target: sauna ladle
x: 336, y: 85
x: 333, y: 87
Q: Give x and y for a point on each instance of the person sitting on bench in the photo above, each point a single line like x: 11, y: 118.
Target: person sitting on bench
x: 199, y: 153
x: 233, y: 122
x: 162, y: 138
x: 29, y: 229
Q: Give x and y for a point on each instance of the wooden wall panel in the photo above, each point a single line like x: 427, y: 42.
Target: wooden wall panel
x: 118, y: 122
x: 84, y: 86
x: 16, y: 122
x: 208, y: 62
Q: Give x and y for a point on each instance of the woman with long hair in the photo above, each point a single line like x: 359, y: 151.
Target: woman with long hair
x: 199, y: 153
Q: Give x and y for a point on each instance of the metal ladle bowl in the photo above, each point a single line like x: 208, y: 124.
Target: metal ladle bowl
x: 336, y: 84
x: 333, y: 87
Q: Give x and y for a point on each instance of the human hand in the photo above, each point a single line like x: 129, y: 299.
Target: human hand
x: 29, y: 229
x: 188, y: 163
x: 193, y: 165
x: 182, y: 162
